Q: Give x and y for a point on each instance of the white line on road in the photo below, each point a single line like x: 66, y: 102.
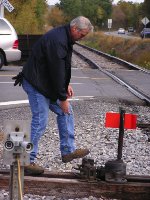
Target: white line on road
x: 7, y: 82
x: 8, y: 103
x: 13, y: 102
x: 76, y: 83
x: 71, y: 83
x: 86, y: 77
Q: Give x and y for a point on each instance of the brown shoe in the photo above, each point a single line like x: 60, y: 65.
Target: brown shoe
x: 78, y: 153
x: 33, y: 169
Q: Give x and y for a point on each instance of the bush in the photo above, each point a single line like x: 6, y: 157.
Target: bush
x: 136, y: 51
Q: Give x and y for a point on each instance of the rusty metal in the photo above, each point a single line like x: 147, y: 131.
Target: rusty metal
x: 145, y: 129
x: 143, y: 125
x: 87, y: 169
x: 115, y: 171
x: 71, y: 186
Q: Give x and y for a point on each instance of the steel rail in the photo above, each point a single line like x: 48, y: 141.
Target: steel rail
x: 115, y: 59
x: 143, y: 125
x: 69, y: 185
x: 133, y: 90
x: 76, y: 175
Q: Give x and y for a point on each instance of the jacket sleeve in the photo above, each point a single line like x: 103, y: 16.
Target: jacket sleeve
x: 56, y: 58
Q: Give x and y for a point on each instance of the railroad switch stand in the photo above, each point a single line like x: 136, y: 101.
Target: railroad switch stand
x: 17, y: 147
x: 114, y: 170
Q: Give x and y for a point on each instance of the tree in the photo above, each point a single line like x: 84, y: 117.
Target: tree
x: 118, y: 17
x: 96, y: 10
x: 146, y: 9
x: 126, y: 14
x: 28, y: 16
x: 55, y: 17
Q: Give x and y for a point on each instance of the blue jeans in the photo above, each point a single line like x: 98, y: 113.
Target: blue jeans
x: 40, y: 106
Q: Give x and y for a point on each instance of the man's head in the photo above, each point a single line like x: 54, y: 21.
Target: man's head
x: 80, y: 27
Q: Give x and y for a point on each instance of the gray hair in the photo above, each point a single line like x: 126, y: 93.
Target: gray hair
x: 82, y: 23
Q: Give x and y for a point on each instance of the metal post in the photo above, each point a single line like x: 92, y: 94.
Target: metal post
x: 15, y: 191
x: 121, y: 133
x: 1, y: 10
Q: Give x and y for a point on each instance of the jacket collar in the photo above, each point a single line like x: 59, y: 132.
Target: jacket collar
x: 71, y: 41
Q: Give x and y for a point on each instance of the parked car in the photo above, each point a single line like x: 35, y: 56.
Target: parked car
x: 121, y: 31
x: 145, y: 33
x: 130, y: 29
x: 9, y: 51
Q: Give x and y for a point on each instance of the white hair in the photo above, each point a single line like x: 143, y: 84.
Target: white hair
x: 82, y: 23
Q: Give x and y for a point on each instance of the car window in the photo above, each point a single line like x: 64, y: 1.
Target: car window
x: 4, y: 28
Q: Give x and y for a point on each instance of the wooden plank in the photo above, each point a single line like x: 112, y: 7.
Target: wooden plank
x: 74, y: 188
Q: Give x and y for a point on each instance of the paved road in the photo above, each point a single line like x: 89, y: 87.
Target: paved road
x: 87, y: 83
x: 126, y: 35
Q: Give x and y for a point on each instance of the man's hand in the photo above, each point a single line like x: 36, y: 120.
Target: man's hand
x: 70, y: 92
x: 65, y: 106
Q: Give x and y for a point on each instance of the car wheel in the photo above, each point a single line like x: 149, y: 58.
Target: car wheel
x: 1, y: 60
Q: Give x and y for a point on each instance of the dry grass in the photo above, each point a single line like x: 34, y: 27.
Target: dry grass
x: 136, y: 51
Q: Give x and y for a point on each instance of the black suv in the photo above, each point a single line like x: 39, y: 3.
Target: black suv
x: 145, y: 33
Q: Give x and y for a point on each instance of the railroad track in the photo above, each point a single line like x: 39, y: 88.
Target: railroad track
x: 71, y: 185
x: 121, y: 71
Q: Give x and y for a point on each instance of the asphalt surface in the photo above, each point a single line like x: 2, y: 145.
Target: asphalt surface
x: 127, y: 34
x: 87, y: 84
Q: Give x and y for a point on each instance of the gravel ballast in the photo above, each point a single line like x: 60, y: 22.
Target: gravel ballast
x: 90, y: 132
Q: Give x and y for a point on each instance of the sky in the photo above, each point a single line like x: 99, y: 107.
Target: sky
x: 53, y: 2
x: 134, y: 1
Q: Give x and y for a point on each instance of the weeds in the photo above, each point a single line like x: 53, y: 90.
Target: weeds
x: 112, y: 52
x: 147, y: 64
x: 136, y: 51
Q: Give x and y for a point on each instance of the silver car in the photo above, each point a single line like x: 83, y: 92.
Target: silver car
x: 121, y: 31
x: 9, y: 51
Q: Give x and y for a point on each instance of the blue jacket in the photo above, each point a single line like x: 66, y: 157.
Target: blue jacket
x: 48, y: 68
